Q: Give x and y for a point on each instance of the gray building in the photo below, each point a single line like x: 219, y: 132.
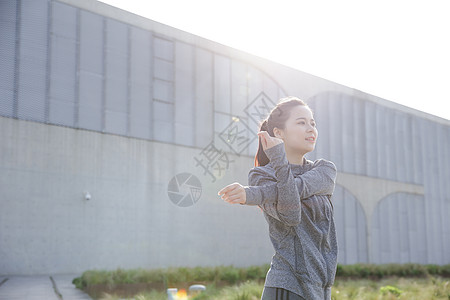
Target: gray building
x: 117, y: 132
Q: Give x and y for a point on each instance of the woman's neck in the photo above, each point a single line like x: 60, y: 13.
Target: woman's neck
x: 293, y: 156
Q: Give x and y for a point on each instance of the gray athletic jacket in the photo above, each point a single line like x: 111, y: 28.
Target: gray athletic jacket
x: 296, y: 200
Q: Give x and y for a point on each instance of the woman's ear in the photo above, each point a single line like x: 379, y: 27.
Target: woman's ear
x: 278, y: 133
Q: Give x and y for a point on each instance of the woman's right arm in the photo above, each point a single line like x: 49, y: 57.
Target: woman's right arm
x: 287, y: 208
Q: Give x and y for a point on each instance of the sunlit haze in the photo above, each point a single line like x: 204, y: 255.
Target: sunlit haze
x: 396, y: 50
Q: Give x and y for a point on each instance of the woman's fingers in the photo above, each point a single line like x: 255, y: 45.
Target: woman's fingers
x: 268, y: 141
x: 229, y: 196
x: 233, y: 193
x: 263, y: 135
x: 228, y: 188
x: 235, y: 199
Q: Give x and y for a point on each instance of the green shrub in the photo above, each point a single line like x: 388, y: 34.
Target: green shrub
x: 388, y: 289
x: 255, y: 272
x: 232, y: 275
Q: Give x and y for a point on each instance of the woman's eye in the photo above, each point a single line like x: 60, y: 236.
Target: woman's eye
x: 303, y: 123
x: 313, y: 124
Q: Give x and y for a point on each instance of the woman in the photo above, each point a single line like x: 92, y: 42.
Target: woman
x: 295, y: 196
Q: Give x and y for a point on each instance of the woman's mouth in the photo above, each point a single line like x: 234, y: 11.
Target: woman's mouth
x: 311, y: 139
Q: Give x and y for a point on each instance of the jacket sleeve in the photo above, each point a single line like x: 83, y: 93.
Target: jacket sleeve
x: 287, y: 208
x: 320, y: 180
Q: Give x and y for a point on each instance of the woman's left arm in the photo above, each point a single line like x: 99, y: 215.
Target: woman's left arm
x: 320, y: 180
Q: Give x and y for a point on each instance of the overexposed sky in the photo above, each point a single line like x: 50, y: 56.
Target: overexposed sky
x: 395, y: 49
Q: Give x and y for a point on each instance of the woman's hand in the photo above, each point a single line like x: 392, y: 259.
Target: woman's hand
x: 233, y: 193
x: 268, y: 141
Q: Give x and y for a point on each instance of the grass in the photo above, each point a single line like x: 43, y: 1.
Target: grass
x: 392, y: 288
x: 432, y: 288
x: 359, y: 281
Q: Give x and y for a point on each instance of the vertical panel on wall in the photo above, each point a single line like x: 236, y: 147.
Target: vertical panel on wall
x: 348, y: 141
x: 321, y: 114
x: 397, y: 211
x: 417, y: 231
x: 8, y: 13
x: 351, y: 227
x: 446, y: 233
x: 393, y: 213
x: 185, y: 109
x: 238, y: 88
x: 163, y: 70
x: 140, y: 83
x: 389, y: 225
x: 361, y: 245
x: 372, y: 119
x: 399, y: 146
x: 444, y: 175
x: 404, y: 209
x: 116, y: 81
x: 443, y: 138
x: 359, y: 128
x: 91, y: 71
x: 222, y: 84
x: 418, y: 158
x: 221, y: 122
x: 376, y: 238
x: 255, y: 84
x: 340, y: 221
x: 33, y: 60
x: 381, y: 146
x: 388, y: 229
x: 204, y: 129
x: 335, y: 128
x: 434, y: 164
x: 389, y: 140
x: 163, y: 49
x: 434, y: 240
x: 409, y: 148
x: 270, y: 88
x: 162, y: 120
x: 254, y: 140
x: 163, y: 89
x: 239, y: 100
x: 63, y: 68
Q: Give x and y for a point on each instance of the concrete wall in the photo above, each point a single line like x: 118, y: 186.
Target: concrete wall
x: 47, y: 226
x: 95, y: 99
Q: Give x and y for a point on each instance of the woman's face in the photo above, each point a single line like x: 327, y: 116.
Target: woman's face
x: 300, y: 133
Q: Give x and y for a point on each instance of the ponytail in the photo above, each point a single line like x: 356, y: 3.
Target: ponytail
x: 261, y: 158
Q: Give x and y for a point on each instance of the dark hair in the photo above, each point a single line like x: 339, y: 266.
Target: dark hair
x: 277, y: 118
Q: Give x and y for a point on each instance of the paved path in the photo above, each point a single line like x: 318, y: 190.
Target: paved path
x: 40, y: 287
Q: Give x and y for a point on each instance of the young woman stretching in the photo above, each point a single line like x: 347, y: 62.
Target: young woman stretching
x: 295, y: 196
